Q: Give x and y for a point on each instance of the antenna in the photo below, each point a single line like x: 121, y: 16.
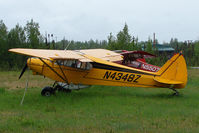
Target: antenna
x: 67, y: 46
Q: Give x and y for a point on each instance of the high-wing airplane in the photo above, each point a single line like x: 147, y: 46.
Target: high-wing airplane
x: 77, y: 69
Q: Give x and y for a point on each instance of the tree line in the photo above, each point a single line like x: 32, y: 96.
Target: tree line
x: 29, y: 36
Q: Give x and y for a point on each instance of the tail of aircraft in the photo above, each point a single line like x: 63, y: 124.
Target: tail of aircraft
x: 173, y: 72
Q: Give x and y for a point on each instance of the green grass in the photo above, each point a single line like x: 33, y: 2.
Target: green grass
x: 101, y: 109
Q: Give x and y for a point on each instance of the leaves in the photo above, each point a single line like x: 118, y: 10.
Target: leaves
x: 33, y: 34
x: 123, y: 41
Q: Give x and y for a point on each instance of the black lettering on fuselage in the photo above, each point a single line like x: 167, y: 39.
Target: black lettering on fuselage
x: 107, y: 75
x: 121, y: 77
x: 138, y: 76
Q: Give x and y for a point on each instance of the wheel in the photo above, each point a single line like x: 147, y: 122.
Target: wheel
x: 47, y: 91
x: 176, y: 94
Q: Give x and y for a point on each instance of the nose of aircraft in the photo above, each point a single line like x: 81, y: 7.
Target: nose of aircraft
x: 35, y: 64
x: 32, y: 61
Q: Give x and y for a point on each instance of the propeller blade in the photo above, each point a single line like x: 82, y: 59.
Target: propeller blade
x: 22, y: 72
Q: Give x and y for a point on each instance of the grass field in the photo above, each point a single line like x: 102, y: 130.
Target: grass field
x: 97, y: 109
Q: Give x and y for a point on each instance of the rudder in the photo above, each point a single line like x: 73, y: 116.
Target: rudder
x: 173, y: 72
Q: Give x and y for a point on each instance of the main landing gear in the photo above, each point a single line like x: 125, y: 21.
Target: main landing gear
x: 61, y: 87
x: 48, y: 91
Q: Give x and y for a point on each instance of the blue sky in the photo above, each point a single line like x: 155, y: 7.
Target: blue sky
x: 82, y: 20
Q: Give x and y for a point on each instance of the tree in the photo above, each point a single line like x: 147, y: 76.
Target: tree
x: 3, y: 31
x: 111, y: 42
x: 3, y: 43
x: 33, y: 34
x: 16, y: 39
x: 196, y: 53
x: 124, y: 39
x: 149, y: 46
x: 175, y: 44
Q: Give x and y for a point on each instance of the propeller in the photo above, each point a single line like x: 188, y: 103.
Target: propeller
x: 24, y: 69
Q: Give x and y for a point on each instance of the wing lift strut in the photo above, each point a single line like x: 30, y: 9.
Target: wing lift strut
x: 47, y: 91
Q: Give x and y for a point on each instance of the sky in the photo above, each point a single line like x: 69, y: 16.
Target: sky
x: 82, y: 20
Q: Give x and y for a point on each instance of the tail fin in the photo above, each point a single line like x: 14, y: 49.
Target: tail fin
x: 173, y: 72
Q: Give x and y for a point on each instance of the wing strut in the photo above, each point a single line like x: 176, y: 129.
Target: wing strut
x: 62, y: 71
x: 53, y: 70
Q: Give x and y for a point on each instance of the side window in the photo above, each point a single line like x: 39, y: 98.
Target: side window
x: 83, y: 65
x: 69, y: 63
x: 73, y: 64
x: 78, y: 64
x: 88, y: 66
x: 60, y: 62
x: 65, y: 62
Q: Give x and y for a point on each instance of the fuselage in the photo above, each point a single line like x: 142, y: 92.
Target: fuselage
x: 85, y: 73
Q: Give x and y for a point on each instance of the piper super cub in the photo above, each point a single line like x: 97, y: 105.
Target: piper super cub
x: 77, y: 69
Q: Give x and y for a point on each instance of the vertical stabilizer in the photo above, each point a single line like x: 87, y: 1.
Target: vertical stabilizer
x: 173, y: 72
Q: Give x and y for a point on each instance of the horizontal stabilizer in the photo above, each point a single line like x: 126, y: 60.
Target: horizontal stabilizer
x: 167, y: 81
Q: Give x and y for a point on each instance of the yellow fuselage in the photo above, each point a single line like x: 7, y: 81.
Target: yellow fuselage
x: 95, y: 76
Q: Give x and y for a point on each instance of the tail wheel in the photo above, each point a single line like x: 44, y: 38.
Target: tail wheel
x: 47, y: 91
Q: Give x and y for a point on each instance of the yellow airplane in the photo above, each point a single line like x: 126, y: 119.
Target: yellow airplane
x: 77, y: 69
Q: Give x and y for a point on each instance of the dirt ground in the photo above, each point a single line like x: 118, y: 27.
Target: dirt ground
x: 9, y: 80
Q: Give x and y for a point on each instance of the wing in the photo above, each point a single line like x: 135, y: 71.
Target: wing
x: 103, y: 54
x: 138, y: 54
x: 69, y: 54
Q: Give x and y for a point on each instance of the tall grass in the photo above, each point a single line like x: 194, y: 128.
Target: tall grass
x: 101, y: 109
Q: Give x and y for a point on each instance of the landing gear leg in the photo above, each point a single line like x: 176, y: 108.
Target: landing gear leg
x: 62, y: 89
x: 54, y: 84
x: 176, y: 93
x: 48, y: 91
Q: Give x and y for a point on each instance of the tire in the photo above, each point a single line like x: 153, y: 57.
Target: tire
x: 47, y: 91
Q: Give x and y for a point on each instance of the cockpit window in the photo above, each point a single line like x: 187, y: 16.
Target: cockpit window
x: 88, y: 66
x: 75, y: 64
x: 59, y: 62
